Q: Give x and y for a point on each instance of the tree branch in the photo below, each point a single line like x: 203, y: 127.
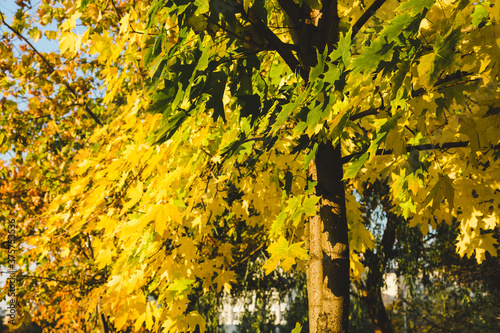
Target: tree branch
x: 366, y: 16
x: 47, y: 278
x: 118, y: 12
x: 447, y: 78
x: 292, y: 10
x: 447, y: 145
x: 49, y: 67
x: 369, y: 112
x: 231, y: 33
x: 276, y: 43
x: 421, y: 91
x: 102, y: 317
x: 248, y: 256
x: 327, y: 34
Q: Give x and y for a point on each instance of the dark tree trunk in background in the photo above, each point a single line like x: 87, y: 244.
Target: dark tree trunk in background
x: 376, y: 261
x: 372, y: 295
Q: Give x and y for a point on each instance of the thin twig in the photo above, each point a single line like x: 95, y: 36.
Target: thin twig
x: 366, y: 16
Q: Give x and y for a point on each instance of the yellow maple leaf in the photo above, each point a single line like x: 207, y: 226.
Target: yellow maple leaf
x: 486, y: 244
x: 285, y: 254
x: 135, y: 194
x: 70, y: 23
x: 149, y: 317
x: 121, y: 318
x: 69, y: 43
x: 124, y: 23
x: 491, y: 221
x: 297, y: 328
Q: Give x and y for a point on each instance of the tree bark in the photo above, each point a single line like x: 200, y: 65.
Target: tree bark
x: 328, y: 280
x: 328, y: 273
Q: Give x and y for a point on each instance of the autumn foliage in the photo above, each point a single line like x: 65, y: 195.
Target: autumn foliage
x: 166, y: 142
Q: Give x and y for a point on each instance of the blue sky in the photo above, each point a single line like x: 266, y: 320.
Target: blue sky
x: 8, y: 9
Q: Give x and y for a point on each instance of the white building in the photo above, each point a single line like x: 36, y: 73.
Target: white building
x: 233, y: 310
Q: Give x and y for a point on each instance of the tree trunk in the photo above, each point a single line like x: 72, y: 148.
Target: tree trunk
x: 377, y: 312
x: 377, y: 261
x: 328, y: 273
x: 373, y: 295
x: 314, y: 30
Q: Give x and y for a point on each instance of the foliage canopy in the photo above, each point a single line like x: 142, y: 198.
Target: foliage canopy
x: 212, y: 114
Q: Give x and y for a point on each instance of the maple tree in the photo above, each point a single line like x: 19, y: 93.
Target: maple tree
x: 230, y: 124
x: 49, y: 105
